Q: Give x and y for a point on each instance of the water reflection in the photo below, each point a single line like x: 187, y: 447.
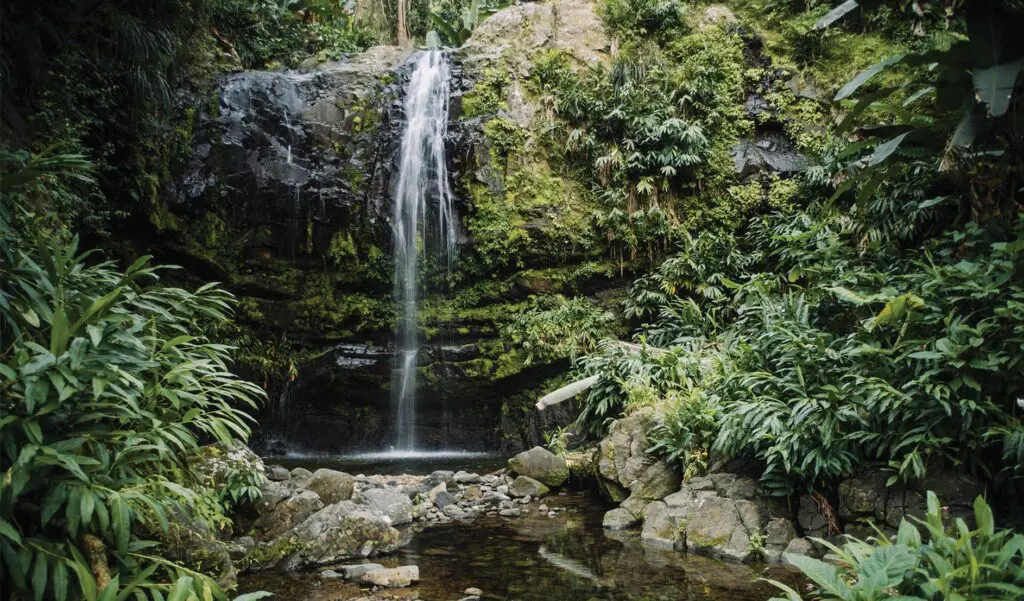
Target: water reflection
x: 537, y: 558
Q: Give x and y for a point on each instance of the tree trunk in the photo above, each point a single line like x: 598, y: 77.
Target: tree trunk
x: 403, y: 28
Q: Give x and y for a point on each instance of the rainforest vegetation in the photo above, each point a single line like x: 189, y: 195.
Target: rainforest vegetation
x: 863, y: 309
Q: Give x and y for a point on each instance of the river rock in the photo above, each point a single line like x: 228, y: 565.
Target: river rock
x: 278, y: 473
x: 473, y: 492
x: 454, y: 512
x: 661, y: 528
x: 214, y: 464
x: 524, y: 486
x: 444, y: 499
x: 336, y: 533
x: 355, y: 570
x: 392, y: 577
x: 273, y: 493
x: 622, y: 456
x: 300, y: 472
x: 779, y: 532
x: 287, y: 514
x: 619, y: 519
x: 435, y: 491
x: 541, y: 465
x: 463, y: 477
x: 393, y: 504
x: 331, y: 485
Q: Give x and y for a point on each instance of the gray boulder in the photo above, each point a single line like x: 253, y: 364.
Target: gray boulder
x: 661, y: 526
x: 273, y: 493
x: 331, y: 485
x: 463, y: 477
x: 391, y: 577
x: 334, y: 534
x: 287, y: 514
x: 541, y: 465
x: 619, y: 519
x: 393, y: 504
x: 278, y: 473
x: 769, y: 152
x: 355, y: 570
x: 524, y: 486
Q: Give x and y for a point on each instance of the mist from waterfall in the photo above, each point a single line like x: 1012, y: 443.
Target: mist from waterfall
x: 424, y: 221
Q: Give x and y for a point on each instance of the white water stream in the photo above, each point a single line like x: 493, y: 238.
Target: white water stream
x: 424, y: 221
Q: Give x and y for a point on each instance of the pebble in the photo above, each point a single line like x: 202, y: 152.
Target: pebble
x: 552, y: 514
x: 542, y: 507
x: 509, y: 512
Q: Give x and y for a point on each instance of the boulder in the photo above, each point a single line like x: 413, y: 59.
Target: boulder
x: 336, y: 533
x: 391, y: 577
x: 811, y: 519
x: 797, y: 546
x: 657, y: 481
x: 287, y: 514
x: 435, y: 491
x: 524, y: 486
x: 622, y: 457
x: 393, y: 504
x: 355, y: 570
x: 278, y: 473
x: 619, y: 519
x: 473, y: 492
x: 769, y: 152
x: 331, y: 485
x: 454, y: 512
x: 444, y: 499
x: 779, y: 532
x: 273, y: 493
x: 463, y: 477
x: 541, y: 465
x: 661, y: 527
x: 300, y: 473
x: 214, y: 464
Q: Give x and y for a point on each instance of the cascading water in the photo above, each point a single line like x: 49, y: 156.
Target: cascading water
x: 422, y: 188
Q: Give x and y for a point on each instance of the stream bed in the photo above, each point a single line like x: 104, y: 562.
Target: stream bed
x: 569, y: 557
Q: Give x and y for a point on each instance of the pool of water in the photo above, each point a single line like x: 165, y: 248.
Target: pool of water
x: 417, y: 463
x: 537, y: 558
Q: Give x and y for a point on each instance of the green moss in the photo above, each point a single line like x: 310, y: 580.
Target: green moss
x: 488, y: 96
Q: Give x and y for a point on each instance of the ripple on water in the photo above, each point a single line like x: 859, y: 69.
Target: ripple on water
x: 537, y: 558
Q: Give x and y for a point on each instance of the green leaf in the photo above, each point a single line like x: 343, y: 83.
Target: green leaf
x: 181, y: 590
x: 39, y: 573
x: 824, y: 575
x: 994, y: 86
x: 7, y: 530
x: 862, y: 77
x: 835, y: 14
x: 885, y: 150
x: 59, y: 578
x: 983, y: 516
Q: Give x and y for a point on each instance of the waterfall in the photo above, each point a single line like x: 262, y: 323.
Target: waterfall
x: 422, y: 185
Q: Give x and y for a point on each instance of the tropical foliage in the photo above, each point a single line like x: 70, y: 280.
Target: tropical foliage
x: 942, y: 562
x: 867, y: 310
x: 107, y: 384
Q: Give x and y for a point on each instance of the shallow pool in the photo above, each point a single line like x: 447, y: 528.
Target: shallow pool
x: 537, y: 558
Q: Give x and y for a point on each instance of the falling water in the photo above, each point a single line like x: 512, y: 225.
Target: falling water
x: 422, y: 185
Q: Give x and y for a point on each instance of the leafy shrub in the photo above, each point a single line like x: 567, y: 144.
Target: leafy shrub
x: 983, y: 564
x: 556, y: 328
x: 106, y: 385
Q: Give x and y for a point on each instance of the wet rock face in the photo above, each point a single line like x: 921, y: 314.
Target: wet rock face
x: 283, y: 150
